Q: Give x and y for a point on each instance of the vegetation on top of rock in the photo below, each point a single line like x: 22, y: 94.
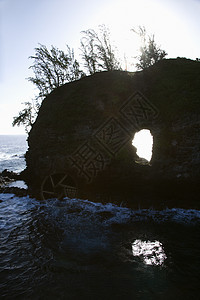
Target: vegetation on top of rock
x: 53, y: 68
x: 150, y: 52
x: 97, y: 52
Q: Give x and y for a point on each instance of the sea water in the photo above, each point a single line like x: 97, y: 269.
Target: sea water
x: 12, y: 151
x: 79, y: 249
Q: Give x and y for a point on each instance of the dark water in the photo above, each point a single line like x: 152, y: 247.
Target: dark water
x: 77, y: 249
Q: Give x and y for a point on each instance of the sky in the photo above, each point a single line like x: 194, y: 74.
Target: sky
x: 143, y: 141
x: 26, y: 23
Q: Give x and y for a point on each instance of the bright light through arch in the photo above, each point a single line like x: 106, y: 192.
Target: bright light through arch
x: 143, y: 141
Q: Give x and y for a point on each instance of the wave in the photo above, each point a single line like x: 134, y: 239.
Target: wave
x: 107, y: 214
x: 7, y: 156
x: 12, y: 162
x: 112, y: 213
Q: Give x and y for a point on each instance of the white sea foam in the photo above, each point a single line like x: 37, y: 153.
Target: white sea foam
x: 109, y: 213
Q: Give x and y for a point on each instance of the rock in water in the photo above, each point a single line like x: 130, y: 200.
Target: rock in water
x: 81, y: 142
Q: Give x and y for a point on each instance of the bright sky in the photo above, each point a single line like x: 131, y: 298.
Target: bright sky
x: 25, y: 23
x: 143, y: 141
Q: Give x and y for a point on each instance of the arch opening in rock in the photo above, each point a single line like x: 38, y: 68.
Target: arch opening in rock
x: 143, y: 142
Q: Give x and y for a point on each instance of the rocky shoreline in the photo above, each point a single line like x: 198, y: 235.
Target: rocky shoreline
x: 8, y: 177
x: 158, y: 201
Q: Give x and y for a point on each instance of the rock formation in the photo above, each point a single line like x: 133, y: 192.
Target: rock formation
x: 81, y: 142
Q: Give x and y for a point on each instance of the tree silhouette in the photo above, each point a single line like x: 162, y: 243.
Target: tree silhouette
x: 97, y: 52
x: 52, y: 68
x: 150, y: 52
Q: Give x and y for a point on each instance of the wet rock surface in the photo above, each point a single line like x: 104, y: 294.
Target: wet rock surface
x: 8, y: 177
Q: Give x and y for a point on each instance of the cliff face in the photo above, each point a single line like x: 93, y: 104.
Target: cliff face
x: 81, y: 142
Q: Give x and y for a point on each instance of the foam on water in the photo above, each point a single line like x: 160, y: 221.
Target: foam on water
x: 108, y: 214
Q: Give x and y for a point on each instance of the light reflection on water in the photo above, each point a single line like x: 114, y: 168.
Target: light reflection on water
x: 152, y: 252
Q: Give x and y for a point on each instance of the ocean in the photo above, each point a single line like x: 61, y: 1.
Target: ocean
x: 12, y: 151
x: 79, y: 249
